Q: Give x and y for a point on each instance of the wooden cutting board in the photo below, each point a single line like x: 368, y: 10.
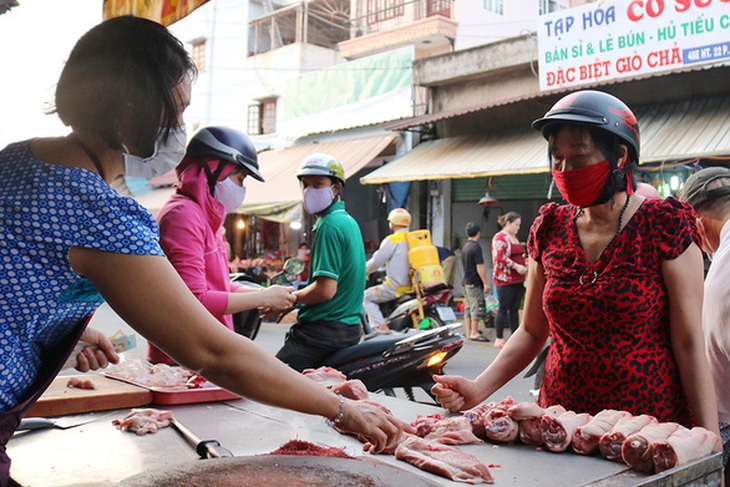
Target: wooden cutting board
x: 60, y: 400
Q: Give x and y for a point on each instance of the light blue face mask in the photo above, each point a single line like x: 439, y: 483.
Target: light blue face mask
x: 168, y: 154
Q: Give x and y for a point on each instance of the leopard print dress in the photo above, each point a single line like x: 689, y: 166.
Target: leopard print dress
x: 609, y: 320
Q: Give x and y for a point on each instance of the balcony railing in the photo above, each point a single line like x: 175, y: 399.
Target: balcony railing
x: 395, y: 13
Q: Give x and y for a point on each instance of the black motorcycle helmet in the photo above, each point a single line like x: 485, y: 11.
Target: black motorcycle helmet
x: 225, y: 144
x: 604, y: 112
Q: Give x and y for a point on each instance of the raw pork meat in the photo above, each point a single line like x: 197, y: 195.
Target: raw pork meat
x: 447, y: 461
x: 586, y: 437
x: 610, y: 443
x: 453, y: 431
x: 301, y: 447
x: 158, y: 375
x: 531, y: 429
x: 525, y: 410
x: 558, y: 432
x: 500, y: 426
x: 80, y: 383
x: 144, y: 421
x: 351, y: 389
x: 476, y: 418
x: 327, y: 376
x: 636, y: 449
x: 425, y: 424
x: 683, y: 446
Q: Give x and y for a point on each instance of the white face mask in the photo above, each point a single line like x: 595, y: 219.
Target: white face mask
x: 316, y: 200
x: 229, y: 194
x: 166, y: 157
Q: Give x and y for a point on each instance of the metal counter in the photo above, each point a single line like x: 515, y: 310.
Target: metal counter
x: 96, y: 453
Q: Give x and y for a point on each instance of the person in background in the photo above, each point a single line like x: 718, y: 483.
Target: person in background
x: 72, y: 241
x: 303, y: 254
x: 447, y: 258
x: 210, y: 184
x: 393, y: 254
x: 614, y: 280
x: 708, y: 191
x: 474, y: 282
x: 508, y: 274
x: 330, y: 306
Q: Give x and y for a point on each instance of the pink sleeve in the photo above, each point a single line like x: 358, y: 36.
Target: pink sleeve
x: 182, y: 237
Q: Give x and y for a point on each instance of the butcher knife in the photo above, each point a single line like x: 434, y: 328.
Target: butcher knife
x: 62, y: 422
x: 204, y: 448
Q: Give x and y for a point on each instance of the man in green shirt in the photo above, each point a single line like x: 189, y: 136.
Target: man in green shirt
x: 330, y: 306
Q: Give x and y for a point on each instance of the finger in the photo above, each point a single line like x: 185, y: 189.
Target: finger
x: 107, y: 350
x: 91, y: 357
x: 82, y: 364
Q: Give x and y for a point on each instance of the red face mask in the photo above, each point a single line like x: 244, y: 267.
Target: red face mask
x: 582, y: 186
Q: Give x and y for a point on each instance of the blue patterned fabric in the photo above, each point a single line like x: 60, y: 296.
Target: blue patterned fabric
x: 44, y: 211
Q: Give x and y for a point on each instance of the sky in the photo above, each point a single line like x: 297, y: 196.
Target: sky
x: 35, y: 40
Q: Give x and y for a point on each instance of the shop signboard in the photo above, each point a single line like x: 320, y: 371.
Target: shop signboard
x: 614, y: 39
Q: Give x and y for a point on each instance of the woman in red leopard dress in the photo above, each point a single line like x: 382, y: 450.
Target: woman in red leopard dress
x: 615, y: 282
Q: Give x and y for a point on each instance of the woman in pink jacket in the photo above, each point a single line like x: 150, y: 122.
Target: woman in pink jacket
x: 210, y: 184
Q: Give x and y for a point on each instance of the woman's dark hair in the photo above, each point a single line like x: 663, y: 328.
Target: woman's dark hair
x: 508, y: 217
x: 119, y: 79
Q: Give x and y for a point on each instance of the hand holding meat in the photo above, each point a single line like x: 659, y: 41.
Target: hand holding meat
x: 372, y: 424
x: 98, y: 352
x: 456, y: 393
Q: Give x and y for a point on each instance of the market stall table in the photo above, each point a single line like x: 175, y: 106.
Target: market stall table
x: 96, y: 453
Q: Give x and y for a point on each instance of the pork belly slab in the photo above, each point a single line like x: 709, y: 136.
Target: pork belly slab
x: 557, y: 433
x: 610, y: 443
x: 636, y: 449
x: 586, y: 437
x: 444, y: 460
x: 683, y: 446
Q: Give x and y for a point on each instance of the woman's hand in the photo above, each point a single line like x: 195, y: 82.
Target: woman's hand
x: 276, y: 298
x: 371, y: 423
x: 455, y: 393
x: 99, y: 352
x: 521, y: 269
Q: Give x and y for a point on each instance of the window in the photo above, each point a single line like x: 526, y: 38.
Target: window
x: 379, y: 10
x: 262, y: 117
x: 494, y: 6
x: 198, y: 54
x: 547, y: 6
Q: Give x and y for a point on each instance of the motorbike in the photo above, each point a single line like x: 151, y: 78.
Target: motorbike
x: 386, y: 363
x: 423, y: 308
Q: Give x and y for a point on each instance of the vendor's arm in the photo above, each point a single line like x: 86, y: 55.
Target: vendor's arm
x: 683, y: 277
x: 457, y: 393
x: 147, y: 293
x: 98, y: 354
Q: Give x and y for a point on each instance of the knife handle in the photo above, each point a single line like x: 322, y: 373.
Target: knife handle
x: 212, y: 449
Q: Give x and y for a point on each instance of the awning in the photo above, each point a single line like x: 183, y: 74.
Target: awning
x: 680, y: 131
x: 279, y: 167
x: 518, y: 152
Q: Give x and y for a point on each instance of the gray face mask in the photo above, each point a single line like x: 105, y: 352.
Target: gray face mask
x: 166, y: 157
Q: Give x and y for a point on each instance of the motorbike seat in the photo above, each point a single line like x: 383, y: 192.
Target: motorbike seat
x: 375, y: 345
